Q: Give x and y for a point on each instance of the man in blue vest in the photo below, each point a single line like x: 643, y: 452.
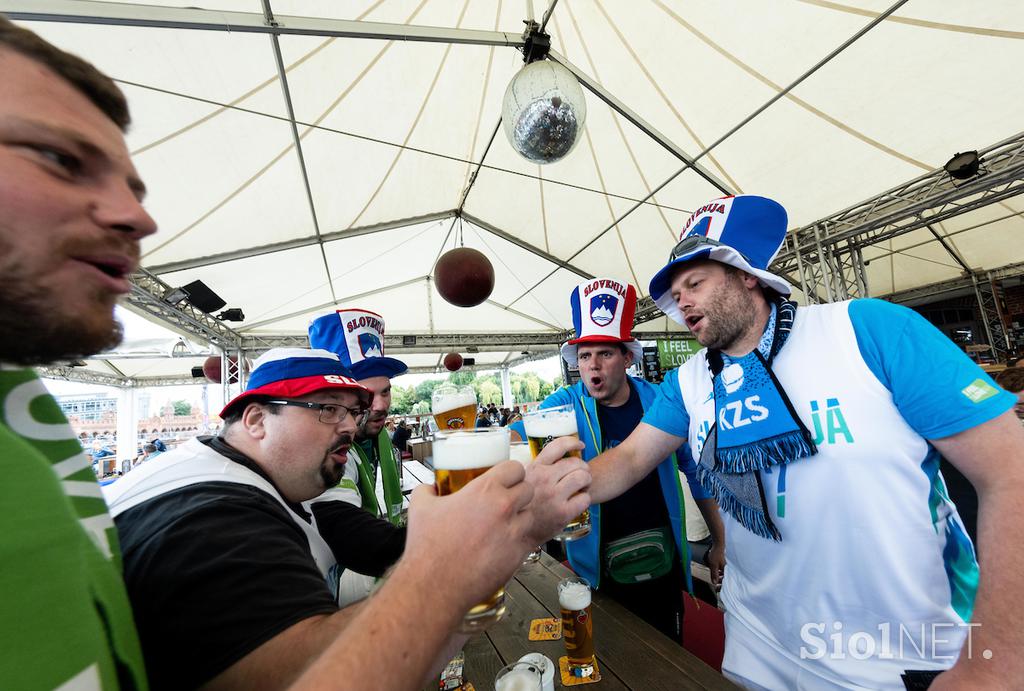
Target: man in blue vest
x: 371, y: 474
x: 617, y: 555
x: 819, y: 429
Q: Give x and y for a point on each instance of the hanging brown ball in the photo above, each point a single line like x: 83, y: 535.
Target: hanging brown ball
x: 464, y: 277
x: 453, y: 362
x: 211, y: 368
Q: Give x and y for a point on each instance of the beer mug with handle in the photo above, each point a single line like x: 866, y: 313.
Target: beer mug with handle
x: 577, y: 625
x: 454, y: 407
x: 541, y: 427
x: 460, y: 457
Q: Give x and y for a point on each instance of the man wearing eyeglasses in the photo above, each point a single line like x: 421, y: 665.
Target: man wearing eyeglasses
x: 222, y: 556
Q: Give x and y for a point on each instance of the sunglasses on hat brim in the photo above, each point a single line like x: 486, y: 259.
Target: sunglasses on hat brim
x: 693, y: 242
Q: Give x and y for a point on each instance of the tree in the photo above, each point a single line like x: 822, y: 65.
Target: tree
x: 420, y: 408
x: 425, y: 389
x: 402, y: 399
x: 489, y: 392
x: 182, y: 407
x: 462, y: 377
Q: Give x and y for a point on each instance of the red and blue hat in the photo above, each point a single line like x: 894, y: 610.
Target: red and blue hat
x: 357, y: 336
x: 745, y: 231
x: 602, y: 312
x: 294, y: 372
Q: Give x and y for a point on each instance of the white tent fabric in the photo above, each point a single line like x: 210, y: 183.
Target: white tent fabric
x: 393, y: 130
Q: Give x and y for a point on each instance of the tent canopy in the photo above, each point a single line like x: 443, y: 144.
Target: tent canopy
x: 300, y: 164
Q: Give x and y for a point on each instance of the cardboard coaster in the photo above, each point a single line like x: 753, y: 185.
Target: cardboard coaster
x: 568, y: 679
x: 545, y: 629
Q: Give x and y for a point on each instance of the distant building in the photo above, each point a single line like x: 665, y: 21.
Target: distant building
x: 88, y: 407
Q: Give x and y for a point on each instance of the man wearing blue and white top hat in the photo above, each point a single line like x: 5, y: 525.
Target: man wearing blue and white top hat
x: 819, y: 430
x: 357, y: 336
x: 609, y: 404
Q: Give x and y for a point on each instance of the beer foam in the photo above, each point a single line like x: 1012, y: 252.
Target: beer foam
x: 469, y: 450
x: 573, y: 596
x: 560, y: 424
x: 520, y: 451
x: 517, y: 680
x: 453, y: 400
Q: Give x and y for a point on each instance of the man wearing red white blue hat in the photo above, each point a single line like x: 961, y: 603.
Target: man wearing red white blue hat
x: 819, y: 430
x: 222, y: 556
x: 609, y: 404
x: 220, y: 553
x: 357, y: 336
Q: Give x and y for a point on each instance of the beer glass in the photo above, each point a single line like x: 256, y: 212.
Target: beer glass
x: 520, y: 451
x: 454, y: 407
x: 541, y: 427
x: 577, y: 625
x: 459, y: 457
x: 519, y: 676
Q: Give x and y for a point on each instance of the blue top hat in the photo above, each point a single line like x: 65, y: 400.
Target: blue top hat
x: 357, y: 336
x: 745, y: 231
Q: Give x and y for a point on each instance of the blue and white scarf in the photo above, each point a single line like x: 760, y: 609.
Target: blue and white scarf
x: 755, y: 427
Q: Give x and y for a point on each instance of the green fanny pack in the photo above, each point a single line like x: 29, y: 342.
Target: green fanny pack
x: 640, y: 557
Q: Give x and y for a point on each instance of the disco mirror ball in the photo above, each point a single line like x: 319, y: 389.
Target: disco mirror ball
x: 544, y: 112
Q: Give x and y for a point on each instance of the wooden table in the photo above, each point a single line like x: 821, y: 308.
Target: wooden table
x: 631, y: 654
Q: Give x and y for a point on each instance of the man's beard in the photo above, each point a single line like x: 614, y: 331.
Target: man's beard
x: 729, y: 314
x: 36, y: 333
x: 378, y: 423
x: 329, y: 473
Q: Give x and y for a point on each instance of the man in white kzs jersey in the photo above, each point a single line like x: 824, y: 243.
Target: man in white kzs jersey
x: 819, y: 429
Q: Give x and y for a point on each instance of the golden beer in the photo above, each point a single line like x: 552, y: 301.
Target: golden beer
x: 454, y: 407
x: 577, y: 625
x: 459, y: 458
x: 542, y: 426
x: 537, y: 444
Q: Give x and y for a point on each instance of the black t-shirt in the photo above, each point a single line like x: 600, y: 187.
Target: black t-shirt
x: 642, y: 506
x: 216, y: 569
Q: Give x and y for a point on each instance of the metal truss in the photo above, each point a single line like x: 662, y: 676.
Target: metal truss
x: 989, y: 294
x: 988, y: 291
x: 439, y: 343
x: 147, y: 299
x: 826, y: 255
x: 914, y: 295
x: 121, y: 14
x: 646, y: 311
x: 85, y: 376
x: 69, y: 372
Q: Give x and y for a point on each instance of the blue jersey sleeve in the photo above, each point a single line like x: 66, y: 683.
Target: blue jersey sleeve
x: 689, y: 468
x: 938, y: 390
x: 667, y: 412
x: 556, y: 398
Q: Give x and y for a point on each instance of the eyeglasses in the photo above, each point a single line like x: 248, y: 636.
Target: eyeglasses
x: 692, y: 242
x: 329, y: 413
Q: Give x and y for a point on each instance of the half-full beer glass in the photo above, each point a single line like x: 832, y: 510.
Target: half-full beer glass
x: 459, y: 457
x: 541, y: 427
x: 454, y: 407
x: 577, y: 625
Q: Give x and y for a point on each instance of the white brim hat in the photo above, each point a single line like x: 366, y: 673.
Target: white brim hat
x: 744, y: 231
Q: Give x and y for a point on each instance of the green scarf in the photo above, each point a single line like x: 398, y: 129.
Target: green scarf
x: 389, y: 477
